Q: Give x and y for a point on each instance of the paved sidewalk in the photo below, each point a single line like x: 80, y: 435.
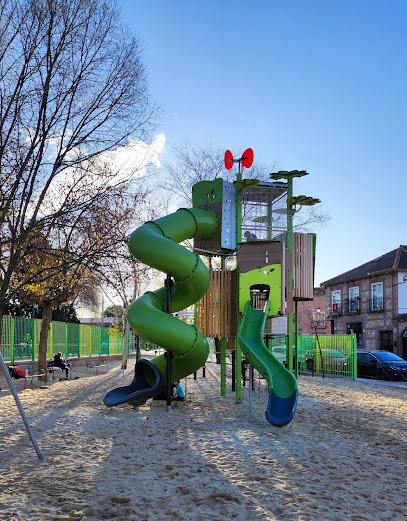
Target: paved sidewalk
x: 388, y: 383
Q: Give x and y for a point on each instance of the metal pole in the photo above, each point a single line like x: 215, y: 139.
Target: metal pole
x: 223, y: 366
x: 20, y: 408
x: 296, y: 340
x: 168, y: 354
x: 250, y: 390
x: 237, y: 353
x: 291, y: 281
x: 233, y: 370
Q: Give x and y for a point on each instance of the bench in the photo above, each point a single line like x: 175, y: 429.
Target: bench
x: 52, y: 369
x: 95, y: 364
x: 27, y: 376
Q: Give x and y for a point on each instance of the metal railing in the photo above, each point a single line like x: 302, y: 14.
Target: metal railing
x: 328, y: 354
x: 376, y: 304
x: 20, y: 340
x: 352, y: 306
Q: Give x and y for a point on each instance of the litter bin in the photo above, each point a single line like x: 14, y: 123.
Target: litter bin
x: 310, y: 365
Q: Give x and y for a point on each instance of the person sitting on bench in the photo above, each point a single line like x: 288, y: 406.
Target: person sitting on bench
x: 60, y: 362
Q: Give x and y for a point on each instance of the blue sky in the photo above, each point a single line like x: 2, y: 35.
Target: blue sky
x: 315, y: 85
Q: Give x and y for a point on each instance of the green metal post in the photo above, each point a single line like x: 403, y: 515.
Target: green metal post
x: 238, y: 350
x: 354, y: 348
x: 51, y: 331
x: 66, y: 340
x: 12, y: 341
x: 79, y: 341
x: 238, y: 371
x: 291, y: 282
x: 222, y: 366
x: 296, y: 339
x: 90, y: 340
x: 33, y: 340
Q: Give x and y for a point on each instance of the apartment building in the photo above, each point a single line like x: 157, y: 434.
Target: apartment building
x: 371, y: 301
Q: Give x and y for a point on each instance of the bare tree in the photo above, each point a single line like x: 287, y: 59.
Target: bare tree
x: 194, y: 163
x: 309, y: 218
x: 72, y: 88
x: 123, y: 274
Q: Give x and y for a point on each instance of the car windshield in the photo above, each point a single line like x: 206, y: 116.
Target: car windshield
x: 386, y: 356
x: 328, y: 353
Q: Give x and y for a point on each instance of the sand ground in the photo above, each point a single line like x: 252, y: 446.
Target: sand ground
x: 342, y: 458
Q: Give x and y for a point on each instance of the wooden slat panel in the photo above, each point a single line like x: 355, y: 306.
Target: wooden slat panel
x: 254, y: 255
x: 303, y: 266
x: 216, y: 310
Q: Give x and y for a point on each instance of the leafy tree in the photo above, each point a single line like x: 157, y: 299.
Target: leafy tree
x: 65, y: 264
x: 65, y: 313
x: 115, y: 310
x: 17, y: 306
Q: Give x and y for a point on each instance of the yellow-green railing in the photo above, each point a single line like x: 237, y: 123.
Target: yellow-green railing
x: 20, y: 339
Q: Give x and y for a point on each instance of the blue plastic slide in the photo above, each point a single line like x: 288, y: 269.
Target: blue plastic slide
x: 282, y: 383
x: 140, y: 390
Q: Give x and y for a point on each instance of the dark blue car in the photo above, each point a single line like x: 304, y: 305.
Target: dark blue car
x: 381, y: 364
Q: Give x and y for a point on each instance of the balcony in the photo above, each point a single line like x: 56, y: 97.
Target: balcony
x: 352, y: 307
x: 336, y: 309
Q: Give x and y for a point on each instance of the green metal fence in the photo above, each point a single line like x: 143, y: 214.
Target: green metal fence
x: 328, y: 354
x: 20, y: 340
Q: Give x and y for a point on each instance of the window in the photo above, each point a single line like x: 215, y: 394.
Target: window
x: 336, y: 301
x: 377, y: 296
x: 354, y: 299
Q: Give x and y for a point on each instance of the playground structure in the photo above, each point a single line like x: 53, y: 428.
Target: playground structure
x: 258, y: 271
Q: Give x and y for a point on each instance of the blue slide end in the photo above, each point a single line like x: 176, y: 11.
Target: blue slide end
x: 140, y: 389
x: 280, y: 411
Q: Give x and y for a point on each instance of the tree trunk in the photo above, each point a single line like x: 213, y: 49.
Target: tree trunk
x: 125, y: 352
x: 137, y: 347
x: 127, y: 329
x: 42, y: 350
x: 1, y: 325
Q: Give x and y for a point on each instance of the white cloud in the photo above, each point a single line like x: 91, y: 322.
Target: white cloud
x: 133, y: 159
x: 110, y: 168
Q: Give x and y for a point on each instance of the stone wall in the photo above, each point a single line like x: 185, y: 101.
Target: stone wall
x: 373, y: 322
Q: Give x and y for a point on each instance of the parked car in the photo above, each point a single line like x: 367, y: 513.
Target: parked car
x: 381, y: 364
x: 280, y: 352
x: 332, y: 359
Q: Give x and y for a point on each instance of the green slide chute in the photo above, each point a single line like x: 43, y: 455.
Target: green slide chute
x: 156, y: 244
x: 283, y: 385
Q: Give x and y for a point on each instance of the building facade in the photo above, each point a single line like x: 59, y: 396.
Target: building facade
x: 371, y: 302
x: 312, y: 315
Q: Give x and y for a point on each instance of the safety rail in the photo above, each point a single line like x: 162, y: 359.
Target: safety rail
x: 20, y: 340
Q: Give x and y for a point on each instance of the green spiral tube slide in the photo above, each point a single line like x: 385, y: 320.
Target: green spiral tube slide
x: 156, y: 244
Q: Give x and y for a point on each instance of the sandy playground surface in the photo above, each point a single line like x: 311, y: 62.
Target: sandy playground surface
x: 342, y: 458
